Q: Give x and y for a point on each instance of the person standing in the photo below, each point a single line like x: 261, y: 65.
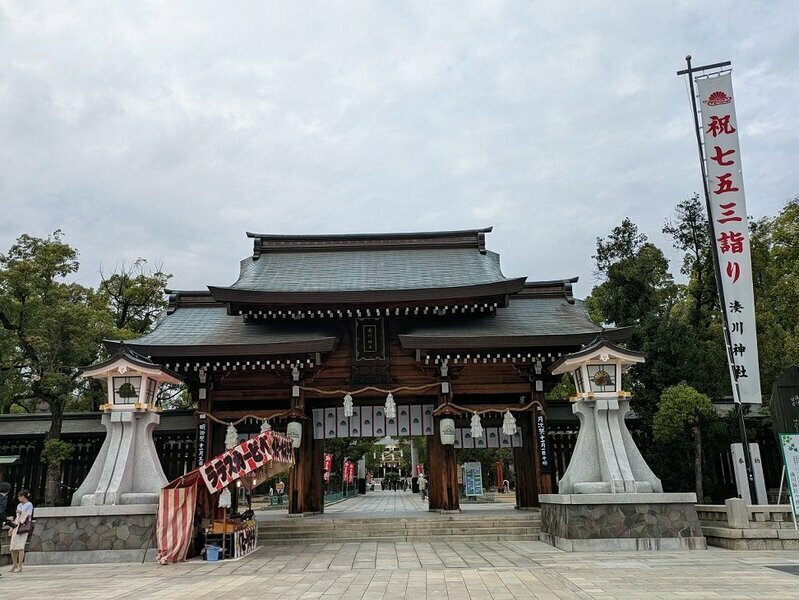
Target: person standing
x: 22, y: 526
x: 5, y: 489
x: 423, y: 487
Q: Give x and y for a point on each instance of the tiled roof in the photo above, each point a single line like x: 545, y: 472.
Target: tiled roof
x: 370, y: 270
x: 527, y: 322
x: 209, y: 330
x: 366, y: 268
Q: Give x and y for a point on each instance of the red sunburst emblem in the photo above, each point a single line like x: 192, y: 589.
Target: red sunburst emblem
x: 717, y: 98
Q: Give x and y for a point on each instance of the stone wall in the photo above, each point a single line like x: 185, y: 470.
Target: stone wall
x: 620, y: 522
x: 593, y: 521
x: 87, y: 534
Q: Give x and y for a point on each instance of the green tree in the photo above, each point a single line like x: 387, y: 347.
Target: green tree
x: 682, y: 412
x: 51, y: 326
x: 636, y: 282
x: 135, y: 296
x: 688, y: 229
x: 775, y: 264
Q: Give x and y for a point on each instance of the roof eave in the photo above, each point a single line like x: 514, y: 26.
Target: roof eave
x: 367, y: 297
x: 322, y: 345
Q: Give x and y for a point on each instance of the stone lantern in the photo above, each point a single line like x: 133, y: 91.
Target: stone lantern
x: 609, y: 498
x: 605, y: 459
x: 127, y: 469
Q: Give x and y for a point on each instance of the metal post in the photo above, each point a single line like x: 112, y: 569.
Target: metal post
x: 717, y: 266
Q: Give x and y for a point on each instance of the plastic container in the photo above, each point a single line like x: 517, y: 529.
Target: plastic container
x: 212, y: 553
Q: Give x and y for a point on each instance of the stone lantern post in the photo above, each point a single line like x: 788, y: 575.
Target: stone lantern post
x: 609, y: 498
x: 127, y: 469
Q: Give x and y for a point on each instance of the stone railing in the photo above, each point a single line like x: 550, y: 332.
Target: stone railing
x: 740, y: 526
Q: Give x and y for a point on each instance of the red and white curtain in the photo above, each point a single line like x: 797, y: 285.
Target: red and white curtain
x: 175, y: 521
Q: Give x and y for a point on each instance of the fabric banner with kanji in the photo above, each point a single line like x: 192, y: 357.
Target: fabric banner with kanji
x: 245, y: 458
x: 728, y: 213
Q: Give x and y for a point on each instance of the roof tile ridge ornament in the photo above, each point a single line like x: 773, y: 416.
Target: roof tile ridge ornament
x: 555, y: 288
x: 467, y: 238
x: 183, y: 298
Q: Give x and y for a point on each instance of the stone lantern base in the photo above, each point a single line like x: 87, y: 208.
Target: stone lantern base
x: 626, y: 521
x: 92, y: 534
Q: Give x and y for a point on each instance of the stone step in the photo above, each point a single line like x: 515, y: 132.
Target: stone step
x: 408, y: 538
x: 421, y: 522
x: 397, y: 527
x: 273, y: 535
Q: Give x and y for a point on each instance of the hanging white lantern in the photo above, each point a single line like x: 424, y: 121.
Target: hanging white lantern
x: 347, y: 405
x: 447, y: 431
x: 265, y: 426
x: 509, y: 424
x: 391, y: 406
x: 294, y: 431
x: 231, y: 437
x: 477, y: 427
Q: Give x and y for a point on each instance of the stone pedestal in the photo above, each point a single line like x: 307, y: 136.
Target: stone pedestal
x: 626, y: 521
x: 127, y: 469
x: 606, y: 459
x: 92, y: 534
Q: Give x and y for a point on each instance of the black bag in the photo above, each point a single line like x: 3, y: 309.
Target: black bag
x: 26, y: 527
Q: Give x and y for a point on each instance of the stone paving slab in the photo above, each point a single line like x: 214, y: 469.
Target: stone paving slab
x: 493, y: 570
x: 394, y: 505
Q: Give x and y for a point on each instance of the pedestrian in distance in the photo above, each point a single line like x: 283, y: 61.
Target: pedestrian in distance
x: 22, y: 525
x: 5, y: 489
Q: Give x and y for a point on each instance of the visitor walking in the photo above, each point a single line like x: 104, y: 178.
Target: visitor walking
x: 423, y: 487
x: 22, y: 526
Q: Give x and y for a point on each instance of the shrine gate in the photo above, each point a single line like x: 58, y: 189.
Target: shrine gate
x: 424, y: 321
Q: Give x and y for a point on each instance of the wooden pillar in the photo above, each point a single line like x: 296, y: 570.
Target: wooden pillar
x: 302, y: 477
x: 526, y: 464
x: 314, y: 500
x: 442, y: 480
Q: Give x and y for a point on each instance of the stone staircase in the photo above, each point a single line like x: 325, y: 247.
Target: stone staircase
x: 434, y: 528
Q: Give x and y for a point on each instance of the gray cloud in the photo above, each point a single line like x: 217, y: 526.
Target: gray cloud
x: 166, y: 130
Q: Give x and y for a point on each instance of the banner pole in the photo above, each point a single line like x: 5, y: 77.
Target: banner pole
x: 717, y: 267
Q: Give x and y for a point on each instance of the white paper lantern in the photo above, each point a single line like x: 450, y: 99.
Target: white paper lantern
x: 447, y: 431
x: 294, y: 431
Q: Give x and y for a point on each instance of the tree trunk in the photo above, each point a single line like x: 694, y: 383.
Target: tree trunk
x: 697, y: 431
x: 52, y: 484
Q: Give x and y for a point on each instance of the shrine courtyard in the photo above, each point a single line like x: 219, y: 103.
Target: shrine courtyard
x: 448, y: 568
x: 370, y: 570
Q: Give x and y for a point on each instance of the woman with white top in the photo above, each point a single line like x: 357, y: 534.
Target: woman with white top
x: 22, y: 526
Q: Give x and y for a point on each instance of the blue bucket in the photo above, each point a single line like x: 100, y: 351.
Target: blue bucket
x: 212, y: 553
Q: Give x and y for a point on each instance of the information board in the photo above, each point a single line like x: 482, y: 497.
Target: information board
x: 473, y: 478
x: 790, y: 454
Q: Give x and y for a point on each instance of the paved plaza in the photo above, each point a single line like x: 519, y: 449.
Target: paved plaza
x: 387, y: 504
x: 497, y: 570
x: 417, y: 570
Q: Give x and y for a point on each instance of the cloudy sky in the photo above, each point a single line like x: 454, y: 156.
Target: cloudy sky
x: 165, y: 130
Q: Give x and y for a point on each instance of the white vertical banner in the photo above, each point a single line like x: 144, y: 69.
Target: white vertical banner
x: 731, y: 224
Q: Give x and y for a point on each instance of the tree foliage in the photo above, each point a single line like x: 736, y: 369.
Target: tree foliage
x: 51, y: 325
x: 135, y: 296
x: 679, y: 325
x: 679, y: 407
